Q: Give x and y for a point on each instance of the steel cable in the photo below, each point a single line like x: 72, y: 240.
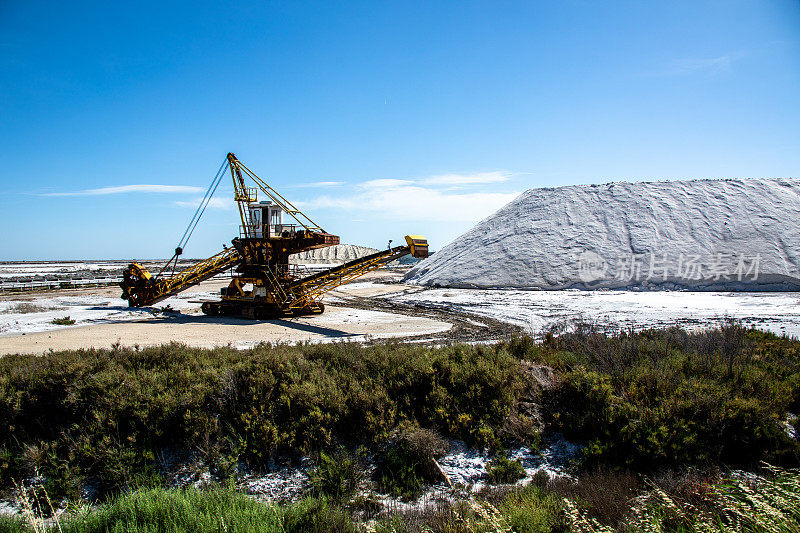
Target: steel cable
x: 212, y: 188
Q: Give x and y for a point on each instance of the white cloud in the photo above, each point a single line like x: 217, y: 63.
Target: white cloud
x: 696, y: 65
x: 468, y: 179
x: 123, y: 189
x: 412, y: 202
x: 214, y: 203
x: 320, y: 184
x: 383, y: 183
x: 439, y: 198
x: 712, y: 64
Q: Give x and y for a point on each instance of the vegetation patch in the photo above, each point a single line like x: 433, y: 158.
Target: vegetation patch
x: 189, y: 510
x: 63, y: 321
x: 501, y: 469
x: 663, y: 414
x: 766, y: 501
x: 407, y: 461
x: 338, y: 475
x: 108, y: 415
x: 28, y: 307
x: 665, y: 398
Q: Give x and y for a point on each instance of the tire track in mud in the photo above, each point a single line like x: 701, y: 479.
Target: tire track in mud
x: 466, y: 327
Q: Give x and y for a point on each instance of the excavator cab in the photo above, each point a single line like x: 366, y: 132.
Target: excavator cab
x: 266, y: 221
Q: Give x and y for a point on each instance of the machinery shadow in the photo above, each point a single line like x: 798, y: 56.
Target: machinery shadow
x: 328, y: 332
x: 177, y: 318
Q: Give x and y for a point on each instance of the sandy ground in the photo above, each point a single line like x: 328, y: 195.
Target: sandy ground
x: 102, y: 320
x: 337, y: 323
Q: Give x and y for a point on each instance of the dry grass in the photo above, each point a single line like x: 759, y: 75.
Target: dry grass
x: 37, y: 509
x: 768, y: 502
x: 29, y: 307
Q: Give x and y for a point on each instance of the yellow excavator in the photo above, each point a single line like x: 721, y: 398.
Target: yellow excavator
x: 265, y: 285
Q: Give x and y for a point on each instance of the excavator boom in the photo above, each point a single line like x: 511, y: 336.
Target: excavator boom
x: 311, y: 288
x: 141, y: 289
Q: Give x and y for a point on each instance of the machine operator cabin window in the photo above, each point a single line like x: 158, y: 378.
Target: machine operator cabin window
x: 275, y: 220
x: 255, y: 220
x: 266, y: 220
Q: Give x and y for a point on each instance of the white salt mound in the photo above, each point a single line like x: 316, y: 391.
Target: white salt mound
x: 340, y: 253
x: 699, y: 235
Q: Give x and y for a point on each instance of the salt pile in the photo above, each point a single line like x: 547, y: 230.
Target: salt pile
x: 699, y: 235
x: 340, y: 253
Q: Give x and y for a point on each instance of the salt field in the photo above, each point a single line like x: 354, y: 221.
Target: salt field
x: 536, y: 311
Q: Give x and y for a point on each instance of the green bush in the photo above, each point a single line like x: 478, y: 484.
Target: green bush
x: 317, y: 515
x: 501, y: 469
x: 107, y: 415
x: 168, y: 511
x: 684, y: 501
x: 407, y: 461
x: 63, y: 321
x: 338, y: 475
x: 533, y: 509
x: 13, y: 524
x: 638, y: 400
x: 652, y: 399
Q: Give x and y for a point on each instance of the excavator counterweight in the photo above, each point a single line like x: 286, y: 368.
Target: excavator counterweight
x: 264, y: 285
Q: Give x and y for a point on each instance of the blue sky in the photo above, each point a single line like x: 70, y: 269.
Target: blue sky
x: 379, y: 118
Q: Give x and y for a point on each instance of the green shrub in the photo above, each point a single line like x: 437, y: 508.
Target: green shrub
x: 533, y: 509
x: 501, y: 469
x: 107, y: 415
x: 766, y: 500
x: 338, y: 475
x: 317, y: 515
x: 13, y: 524
x: 146, y: 511
x: 63, y: 321
x: 407, y: 461
x: 638, y: 400
x: 657, y: 398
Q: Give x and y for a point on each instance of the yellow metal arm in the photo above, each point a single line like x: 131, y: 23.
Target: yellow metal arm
x: 141, y: 289
x: 309, y: 290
